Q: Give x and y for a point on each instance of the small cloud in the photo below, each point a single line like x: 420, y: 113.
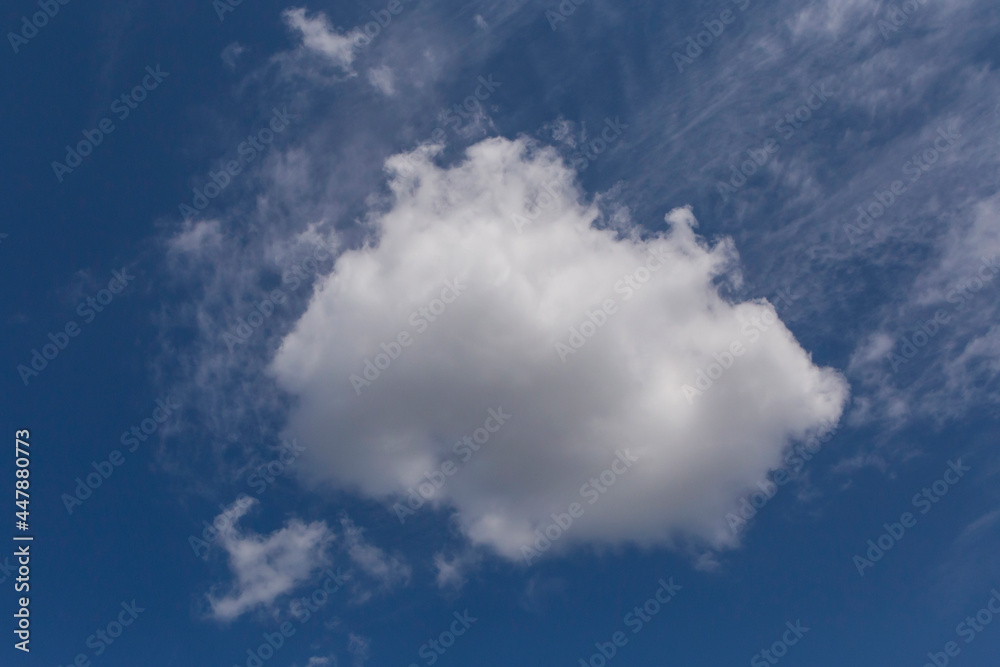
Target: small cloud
x: 562, y: 132
x: 980, y: 524
x: 318, y: 661
x: 320, y: 37
x: 388, y: 570
x: 859, y: 462
x: 231, y: 54
x: 876, y: 348
x: 383, y: 79
x: 196, y: 237
x: 967, y: 563
x: 267, y: 567
x: 481, y: 22
x: 707, y: 562
x: 538, y: 591
x: 451, y: 573
x: 360, y: 648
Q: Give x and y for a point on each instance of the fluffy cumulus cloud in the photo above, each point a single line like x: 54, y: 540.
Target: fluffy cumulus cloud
x: 266, y: 567
x: 494, y: 339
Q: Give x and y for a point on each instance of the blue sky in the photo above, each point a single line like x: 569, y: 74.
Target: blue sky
x: 505, y: 332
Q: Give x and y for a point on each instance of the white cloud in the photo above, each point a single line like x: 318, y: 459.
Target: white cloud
x: 318, y: 661
x: 387, y: 570
x: 983, y: 522
x: 707, y: 562
x: 495, y: 346
x: 451, y: 572
x: 320, y: 37
x: 196, y: 237
x: 383, y: 79
x: 267, y: 567
x: 360, y: 649
x: 231, y: 54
